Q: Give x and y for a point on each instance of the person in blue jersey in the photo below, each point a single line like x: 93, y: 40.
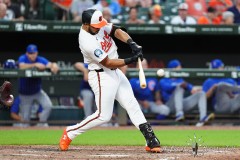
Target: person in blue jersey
x: 86, y: 93
x: 173, y: 94
x: 149, y: 102
x: 36, y: 110
x: 30, y: 89
x: 224, y: 92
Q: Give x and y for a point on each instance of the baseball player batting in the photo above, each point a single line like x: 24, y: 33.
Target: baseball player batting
x: 106, y: 80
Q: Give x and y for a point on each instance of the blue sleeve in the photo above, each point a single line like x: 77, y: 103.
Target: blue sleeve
x: 233, y: 82
x: 156, y: 88
x: 40, y: 109
x: 167, y: 85
x: 206, y: 85
x: 189, y: 86
x: 132, y: 82
x: 15, y: 106
x: 42, y: 60
x: 115, y: 8
x: 21, y: 59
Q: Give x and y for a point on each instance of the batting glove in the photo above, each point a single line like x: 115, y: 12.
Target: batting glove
x: 134, y: 58
x: 135, y: 48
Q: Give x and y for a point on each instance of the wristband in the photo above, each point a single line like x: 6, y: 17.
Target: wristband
x: 130, y: 41
x: 128, y: 61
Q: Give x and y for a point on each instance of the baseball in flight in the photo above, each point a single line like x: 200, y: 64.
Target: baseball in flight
x: 160, y: 72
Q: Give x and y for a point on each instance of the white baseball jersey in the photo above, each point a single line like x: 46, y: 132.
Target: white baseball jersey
x: 178, y: 20
x: 96, y: 47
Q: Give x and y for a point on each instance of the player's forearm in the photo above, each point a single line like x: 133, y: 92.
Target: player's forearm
x: 121, y: 35
x: 26, y: 66
x: 113, y: 63
x: 209, y: 93
x: 53, y: 66
x: 80, y: 67
x: 15, y: 117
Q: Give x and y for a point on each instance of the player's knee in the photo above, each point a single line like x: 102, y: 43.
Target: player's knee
x: 47, y: 107
x: 179, y: 89
x: 105, y: 118
x: 130, y: 103
x: 166, y: 111
x: 221, y: 87
x: 202, y: 94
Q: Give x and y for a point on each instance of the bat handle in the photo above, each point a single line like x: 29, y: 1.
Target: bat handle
x: 139, y: 63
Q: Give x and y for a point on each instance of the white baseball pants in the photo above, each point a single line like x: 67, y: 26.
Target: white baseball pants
x: 108, y: 86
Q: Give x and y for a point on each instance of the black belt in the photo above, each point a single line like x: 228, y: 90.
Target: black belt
x: 101, y: 70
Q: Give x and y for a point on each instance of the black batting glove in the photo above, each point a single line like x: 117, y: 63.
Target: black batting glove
x: 135, y: 48
x: 134, y: 58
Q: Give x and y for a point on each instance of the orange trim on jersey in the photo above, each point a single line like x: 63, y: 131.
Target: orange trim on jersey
x: 99, y: 102
x: 101, y: 24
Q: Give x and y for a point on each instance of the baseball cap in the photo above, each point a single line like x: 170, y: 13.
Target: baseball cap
x: 32, y: 48
x: 94, y: 18
x: 183, y: 6
x: 216, y: 63
x: 227, y: 14
x: 156, y: 10
x: 173, y: 63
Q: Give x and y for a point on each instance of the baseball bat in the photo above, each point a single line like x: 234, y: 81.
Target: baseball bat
x: 142, y: 77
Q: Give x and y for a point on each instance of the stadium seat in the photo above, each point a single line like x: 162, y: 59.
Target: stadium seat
x: 48, y: 10
x: 143, y: 13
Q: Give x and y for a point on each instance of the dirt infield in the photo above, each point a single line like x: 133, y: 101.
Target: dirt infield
x: 51, y: 152
x: 114, y: 152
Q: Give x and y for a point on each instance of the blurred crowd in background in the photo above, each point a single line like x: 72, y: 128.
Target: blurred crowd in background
x: 190, y: 12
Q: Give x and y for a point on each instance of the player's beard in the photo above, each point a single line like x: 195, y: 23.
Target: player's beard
x: 92, y: 32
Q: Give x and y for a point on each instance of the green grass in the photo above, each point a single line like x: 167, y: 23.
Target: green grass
x: 220, y: 138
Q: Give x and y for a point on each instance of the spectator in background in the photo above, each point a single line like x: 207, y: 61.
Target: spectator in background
x: 196, y: 8
x: 133, y: 17
x: 236, y: 11
x: 220, y: 6
x: 13, y: 11
x: 108, y: 16
x: 149, y: 102
x: 155, y: 13
x: 30, y: 89
x: 113, y: 5
x: 3, y: 10
x: 122, y: 3
x: 228, y: 18
x: 36, y: 110
x: 224, y: 92
x: 32, y: 12
x: 210, y: 18
x: 146, y: 3
x: 22, y: 4
x: 60, y: 14
x: 132, y: 3
x: 173, y: 90
x: 78, y: 6
x: 182, y: 17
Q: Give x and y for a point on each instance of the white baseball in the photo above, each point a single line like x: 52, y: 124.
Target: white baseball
x: 160, y: 72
